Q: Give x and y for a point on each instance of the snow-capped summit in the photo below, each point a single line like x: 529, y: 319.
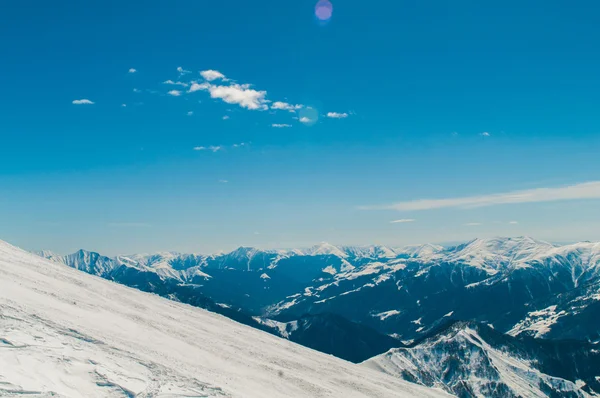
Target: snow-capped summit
x: 369, y: 252
x: 90, y: 262
x: 424, y: 252
x: 325, y: 248
x: 495, y: 254
x: 65, y: 333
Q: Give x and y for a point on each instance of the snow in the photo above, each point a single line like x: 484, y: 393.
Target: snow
x: 330, y: 270
x: 432, y: 357
x: 384, y: 315
x: 369, y: 269
x: 71, y: 334
x: 284, y: 328
x: 326, y: 249
x: 538, y: 322
x: 493, y: 255
x: 426, y: 252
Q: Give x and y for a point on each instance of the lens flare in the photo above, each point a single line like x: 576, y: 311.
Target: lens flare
x: 323, y: 10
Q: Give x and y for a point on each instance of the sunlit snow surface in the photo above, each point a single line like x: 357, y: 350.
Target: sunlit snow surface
x: 64, y: 333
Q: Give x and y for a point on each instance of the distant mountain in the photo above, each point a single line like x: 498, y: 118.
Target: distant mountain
x: 472, y: 360
x: 514, y: 284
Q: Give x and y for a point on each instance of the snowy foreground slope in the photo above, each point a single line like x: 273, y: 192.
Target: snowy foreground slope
x: 64, y: 333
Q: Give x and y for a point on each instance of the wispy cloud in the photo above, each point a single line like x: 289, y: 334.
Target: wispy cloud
x: 212, y: 148
x: 183, y: 71
x: 129, y: 225
x: 83, y: 102
x: 223, y: 181
x: 402, y: 221
x: 190, y: 113
x: 211, y: 75
x: 137, y: 90
x: 285, y: 106
x: 513, y: 222
x: 124, y: 105
x: 175, y: 83
x: 586, y: 190
x: 226, y: 117
x: 472, y: 224
x: 485, y: 134
x: 174, y: 93
x: 304, y: 119
x: 336, y: 115
x: 280, y: 125
x: 239, y: 145
x: 132, y: 70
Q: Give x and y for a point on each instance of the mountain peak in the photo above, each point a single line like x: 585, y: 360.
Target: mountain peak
x: 325, y: 248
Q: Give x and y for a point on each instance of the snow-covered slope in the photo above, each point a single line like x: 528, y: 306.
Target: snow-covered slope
x: 70, y: 334
x: 471, y: 360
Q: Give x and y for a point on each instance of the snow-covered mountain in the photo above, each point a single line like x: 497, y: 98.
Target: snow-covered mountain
x: 512, y: 283
x: 67, y: 334
x: 472, y: 360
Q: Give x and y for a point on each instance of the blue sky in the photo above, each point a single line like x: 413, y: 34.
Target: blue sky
x: 299, y: 130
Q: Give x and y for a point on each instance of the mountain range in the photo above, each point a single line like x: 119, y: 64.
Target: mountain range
x: 358, y: 303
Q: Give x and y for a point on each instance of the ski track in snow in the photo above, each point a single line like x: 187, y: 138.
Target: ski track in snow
x: 64, y: 333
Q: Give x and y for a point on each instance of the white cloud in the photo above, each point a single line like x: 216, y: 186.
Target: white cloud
x: 132, y: 70
x: 304, y: 119
x: 211, y: 75
x: 177, y: 83
x: 83, y: 102
x: 279, y: 125
x: 240, y: 94
x: 286, y: 106
x: 403, y: 220
x: 174, y: 93
x: 198, y: 86
x: 226, y: 117
x: 586, y: 190
x: 239, y: 145
x: 473, y: 224
x: 485, y: 134
x: 513, y: 222
x: 182, y: 71
x: 190, y: 113
x: 335, y: 115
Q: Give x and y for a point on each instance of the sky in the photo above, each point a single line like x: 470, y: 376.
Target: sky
x: 200, y: 126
